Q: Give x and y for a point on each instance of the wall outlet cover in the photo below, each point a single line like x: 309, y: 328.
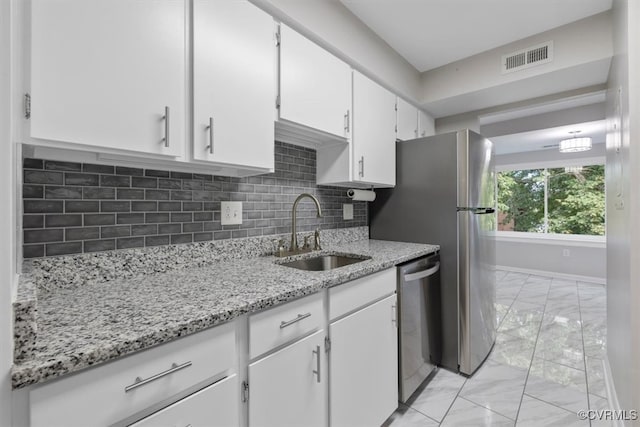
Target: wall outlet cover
x: 347, y: 211
x: 231, y: 213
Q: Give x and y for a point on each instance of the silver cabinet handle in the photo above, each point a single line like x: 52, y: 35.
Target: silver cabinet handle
x: 210, y: 128
x: 361, y: 163
x: 284, y: 324
x: 422, y: 274
x: 167, y: 120
x: 317, y: 370
x: 140, y: 382
x: 347, y: 121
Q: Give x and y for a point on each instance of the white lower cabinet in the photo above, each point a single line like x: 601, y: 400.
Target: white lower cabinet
x: 214, y: 406
x: 121, y: 389
x: 288, y: 387
x: 363, y: 360
x: 364, y: 366
x: 305, y: 363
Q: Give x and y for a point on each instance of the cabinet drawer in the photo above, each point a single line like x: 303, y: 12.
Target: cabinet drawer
x: 358, y: 293
x: 97, y: 396
x: 284, y: 323
x: 214, y: 406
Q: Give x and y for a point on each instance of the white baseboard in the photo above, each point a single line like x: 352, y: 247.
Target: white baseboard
x: 612, y: 396
x: 576, y: 277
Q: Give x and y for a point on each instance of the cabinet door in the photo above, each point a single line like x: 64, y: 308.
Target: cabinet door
x: 79, y: 400
x: 288, y: 388
x: 426, y: 125
x: 407, y: 120
x: 234, y: 83
x: 374, y: 134
x: 214, y: 406
x: 364, y: 366
x: 103, y: 71
x: 315, y: 86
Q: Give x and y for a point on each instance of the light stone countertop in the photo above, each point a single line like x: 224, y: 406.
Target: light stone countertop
x: 83, y: 326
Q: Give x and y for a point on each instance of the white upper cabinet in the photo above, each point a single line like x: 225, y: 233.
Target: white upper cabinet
x: 234, y: 84
x: 109, y: 73
x: 407, y: 120
x: 370, y: 158
x: 315, y: 88
x: 426, y: 125
x: 374, y: 134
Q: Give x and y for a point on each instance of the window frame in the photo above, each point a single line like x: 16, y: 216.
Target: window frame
x: 550, y: 237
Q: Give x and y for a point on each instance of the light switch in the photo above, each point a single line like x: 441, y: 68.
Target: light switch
x: 347, y: 211
x: 231, y: 213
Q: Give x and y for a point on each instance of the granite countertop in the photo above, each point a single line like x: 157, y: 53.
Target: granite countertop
x: 82, y: 326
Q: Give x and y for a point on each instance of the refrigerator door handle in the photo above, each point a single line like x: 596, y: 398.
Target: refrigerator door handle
x: 422, y: 274
x: 485, y: 211
x: 477, y: 211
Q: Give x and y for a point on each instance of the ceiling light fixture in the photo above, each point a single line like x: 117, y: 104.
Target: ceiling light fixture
x: 575, y: 144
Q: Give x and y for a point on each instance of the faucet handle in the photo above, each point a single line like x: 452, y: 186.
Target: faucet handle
x: 316, y: 240
x: 281, y: 248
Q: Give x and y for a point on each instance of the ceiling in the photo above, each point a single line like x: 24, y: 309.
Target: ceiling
x: 432, y: 33
x: 545, y: 139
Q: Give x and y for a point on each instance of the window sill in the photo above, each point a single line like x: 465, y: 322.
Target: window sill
x: 552, y: 239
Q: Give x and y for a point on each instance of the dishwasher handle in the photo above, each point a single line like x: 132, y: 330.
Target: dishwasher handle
x: 422, y: 274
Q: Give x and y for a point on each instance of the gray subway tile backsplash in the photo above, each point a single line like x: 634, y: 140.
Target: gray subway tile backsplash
x: 81, y: 207
x: 62, y: 166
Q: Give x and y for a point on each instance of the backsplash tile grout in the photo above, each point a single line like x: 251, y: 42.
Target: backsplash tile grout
x: 72, y: 208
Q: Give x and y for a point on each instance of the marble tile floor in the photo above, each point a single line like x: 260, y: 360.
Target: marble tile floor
x: 546, y: 365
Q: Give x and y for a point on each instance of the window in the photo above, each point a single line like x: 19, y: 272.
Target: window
x: 566, y: 200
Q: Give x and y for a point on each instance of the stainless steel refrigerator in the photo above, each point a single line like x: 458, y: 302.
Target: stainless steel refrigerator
x: 445, y: 194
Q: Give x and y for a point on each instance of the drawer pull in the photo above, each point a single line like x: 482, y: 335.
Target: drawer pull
x: 284, y: 324
x: 317, y: 370
x: 140, y: 382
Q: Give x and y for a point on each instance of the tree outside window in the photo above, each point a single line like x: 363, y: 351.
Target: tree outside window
x: 555, y: 200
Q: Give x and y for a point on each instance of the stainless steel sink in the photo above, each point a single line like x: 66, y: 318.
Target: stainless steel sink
x: 324, y: 262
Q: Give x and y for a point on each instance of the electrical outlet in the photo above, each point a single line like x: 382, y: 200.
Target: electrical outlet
x: 566, y: 252
x: 347, y: 211
x: 231, y: 213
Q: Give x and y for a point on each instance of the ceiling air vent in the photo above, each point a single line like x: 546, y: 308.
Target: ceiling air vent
x: 527, y: 58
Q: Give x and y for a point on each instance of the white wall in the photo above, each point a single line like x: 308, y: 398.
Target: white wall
x: 334, y: 27
x: 7, y: 249
x: 568, y: 116
x: 457, y: 122
x: 634, y: 136
x: 623, y: 206
x: 582, y: 51
x: 563, y: 257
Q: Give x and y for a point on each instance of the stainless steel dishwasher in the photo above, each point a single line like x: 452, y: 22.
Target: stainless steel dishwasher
x: 419, y: 338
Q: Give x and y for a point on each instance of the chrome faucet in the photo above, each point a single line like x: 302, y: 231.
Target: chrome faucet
x: 294, y: 238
